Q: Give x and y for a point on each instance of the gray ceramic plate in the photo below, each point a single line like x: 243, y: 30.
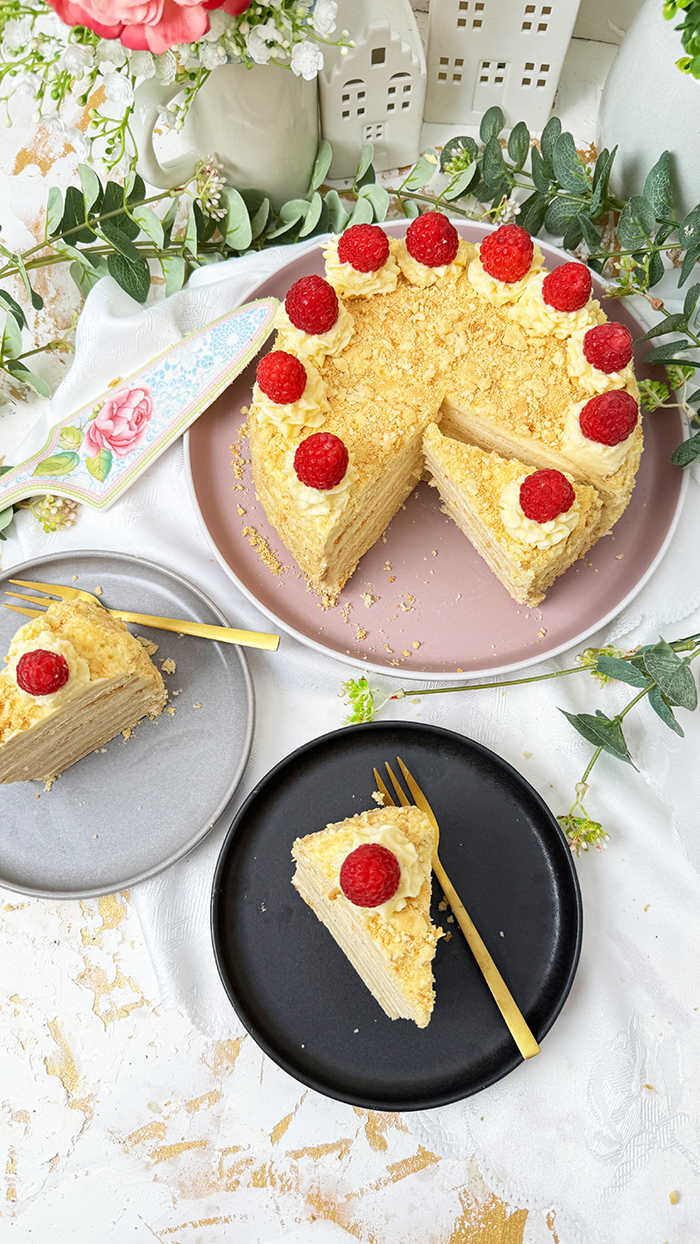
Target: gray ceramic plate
x: 130, y: 811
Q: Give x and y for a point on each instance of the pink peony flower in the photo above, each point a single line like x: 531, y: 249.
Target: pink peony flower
x: 120, y: 424
x: 145, y: 25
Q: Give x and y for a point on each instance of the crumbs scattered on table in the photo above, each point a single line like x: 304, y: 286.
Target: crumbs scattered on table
x: 196, y: 706
x: 619, y: 557
x: 168, y: 666
x: 392, y: 578
x: 450, y: 919
x: 433, y: 552
x: 75, y: 578
x: 241, y: 511
x: 442, y: 905
x: 172, y: 711
x: 98, y: 591
x: 416, y: 643
x: 448, y: 937
x: 126, y: 734
x: 148, y: 644
x: 406, y: 653
x: 387, y: 648
x: 48, y: 783
x: 673, y: 1198
x: 262, y: 548
x: 527, y: 755
x: 459, y: 596
x: 359, y: 632
x: 369, y: 599
x: 387, y: 565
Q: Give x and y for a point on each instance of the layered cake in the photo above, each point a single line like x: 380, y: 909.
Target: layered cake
x: 430, y: 330
x: 73, y: 679
x: 368, y: 880
x: 529, y: 526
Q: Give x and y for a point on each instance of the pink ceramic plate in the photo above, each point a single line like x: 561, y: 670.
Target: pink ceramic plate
x: 422, y: 602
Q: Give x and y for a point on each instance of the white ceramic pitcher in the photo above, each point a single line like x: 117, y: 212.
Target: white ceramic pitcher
x: 260, y: 123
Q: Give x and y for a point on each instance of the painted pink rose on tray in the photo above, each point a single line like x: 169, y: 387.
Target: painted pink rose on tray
x: 120, y: 423
x: 145, y: 25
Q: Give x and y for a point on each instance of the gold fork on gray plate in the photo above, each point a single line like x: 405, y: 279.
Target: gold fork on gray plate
x: 228, y: 634
x: 503, y: 998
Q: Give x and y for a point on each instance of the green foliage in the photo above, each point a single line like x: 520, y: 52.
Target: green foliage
x: 690, y: 33
x: 360, y: 700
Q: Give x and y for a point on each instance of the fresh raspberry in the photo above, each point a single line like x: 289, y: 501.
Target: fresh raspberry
x: 370, y: 875
x: 544, y: 494
x: 432, y: 239
x: 321, y: 461
x: 507, y: 254
x: 42, y: 672
x: 608, y: 347
x: 568, y: 287
x: 282, y: 377
x: 312, y: 305
x: 364, y: 247
x: 610, y: 417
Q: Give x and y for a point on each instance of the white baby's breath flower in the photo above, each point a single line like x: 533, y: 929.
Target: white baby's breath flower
x: 78, y: 142
x: 167, y: 118
x: 142, y: 64
x: 17, y: 33
x: 166, y: 67
x: 324, y: 17
x: 110, y: 52
x: 27, y: 84
x: 118, y: 88
x: 218, y: 23
x: 212, y: 55
x: 76, y: 58
x: 307, y: 60
x: 53, y: 123
x: 50, y: 26
x: 257, y: 40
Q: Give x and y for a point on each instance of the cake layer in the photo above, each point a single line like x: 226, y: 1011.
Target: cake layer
x: 472, y: 484
x: 392, y: 955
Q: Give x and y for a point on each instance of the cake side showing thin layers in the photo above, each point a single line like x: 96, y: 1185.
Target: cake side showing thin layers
x: 111, y: 685
x: 475, y: 488
x: 393, y: 955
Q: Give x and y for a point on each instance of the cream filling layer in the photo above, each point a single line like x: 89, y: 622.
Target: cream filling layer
x: 78, y: 676
x: 591, y: 456
x: 412, y: 874
x: 314, y: 348
x: 498, y: 292
x: 318, y: 502
x: 308, y: 412
x: 533, y: 313
x: 421, y: 275
x: 592, y: 379
x: 350, y: 283
x: 539, y: 535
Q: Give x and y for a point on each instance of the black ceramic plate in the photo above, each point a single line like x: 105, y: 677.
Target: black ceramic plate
x: 294, y: 989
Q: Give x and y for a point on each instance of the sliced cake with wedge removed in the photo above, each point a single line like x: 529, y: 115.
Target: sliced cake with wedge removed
x: 368, y: 879
x: 74, y: 678
x: 529, y: 526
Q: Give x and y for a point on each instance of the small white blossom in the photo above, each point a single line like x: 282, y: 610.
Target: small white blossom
x: 27, y: 84
x: 53, y: 123
x: 166, y: 67
x: 324, y: 17
x: 256, y: 42
x: 307, y: 60
x: 76, y: 58
x: 142, y: 64
x: 212, y: 55
x: 110, y: 52
x: 50, y: 25
x: 17, y: 34
x: 218, y: 23
x: 167, y: 118
x: 78, y: 142
x: 118, y: 88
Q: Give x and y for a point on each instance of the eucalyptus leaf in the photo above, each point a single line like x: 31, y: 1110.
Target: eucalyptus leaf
x: 621, y: 671
x: 688, y: 265
x: 58, y: 464
x: 663, y: 709
x: 668, y: 351
x: 90, y: 184
x: 190, y: 238
x: 258, y: 221
x: 541, y: 172
x: 601, y: 178
x: 671, y: 324
x: 690, y: 302
x: 73, y: 221
x: 321, y: 166
x: 532, y: 213
x: 493, y: 167
x: 636, y: 223
x: 656, y: 269
x: 423, y: 171
x: 672, y: 675
x: 175, y: 272
x: 11, y: 344
x: 458, y: 154
x: 573, y: 234
x: 568, y: 166
x: 101, y: 465
x: 366, y: 157
x: 168, y: 222
x: 689, y: 229
x: 379, y: 199
x: 658, y: 189
x: 338, y: 217
x: 559, y: 213
x: 29, y: 378
x: 237, y: 228
x: 590, y: 233
x: 113, y: 200
x: 6, y: 517
x: 113, y: 234
x: 85, y: 276
x: 293, y: 210
x: 461, y: 183
x: 601, y: 731
x: 150, y: 224
x: 368, y: 178
x: 313, y: 215
x: 687, y: 451
x: 492, y: 122
x: 134, y: 278
x: 363, y: 213
x: 54, y: 211
x: 519, y: 144
x: 136, y: 190
x: 7, y: 301
x: 550, y: 134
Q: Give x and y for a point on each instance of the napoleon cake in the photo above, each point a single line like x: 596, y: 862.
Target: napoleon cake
x: 368, y: 879
x: 74, y: 678
x: 431, y: 330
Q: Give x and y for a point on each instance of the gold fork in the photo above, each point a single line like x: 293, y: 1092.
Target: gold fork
x: 503, y: 998
x: 247, y: 639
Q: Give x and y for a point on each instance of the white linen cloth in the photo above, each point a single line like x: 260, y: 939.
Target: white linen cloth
x: 594, y: 1134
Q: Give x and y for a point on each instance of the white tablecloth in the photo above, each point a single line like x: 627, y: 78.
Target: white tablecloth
x: 595, y: 1134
